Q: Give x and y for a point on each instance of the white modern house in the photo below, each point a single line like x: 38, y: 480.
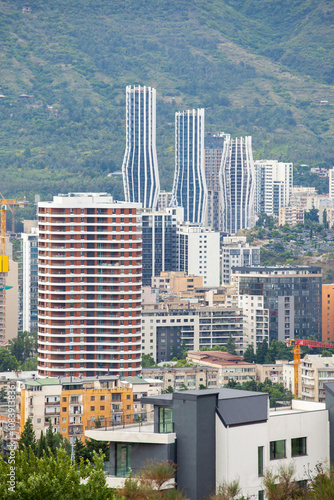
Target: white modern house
x: 221, y: 435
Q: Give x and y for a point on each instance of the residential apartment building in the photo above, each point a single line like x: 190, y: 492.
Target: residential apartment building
x: 29, y: 242
x: 303, y: 197
x: 256, y: 319
x: 237, y: 181
x: 291, y: 216
x: 140, y: 163
x: 223, y: 435
x: 198, y: 253
x: 159, y: 234
x: 292, y: 294
x: 315, y: 371
x: 189, y: 187
x: 274, y: 181
x: 229, y: 366
x: 236, y: 252
x: 328, y: 313
x: 270, y: 371
x: 165, y: 331
x: 331, y: 183
x: 90, y: 277
x: 176, y: 283
x: 74, y: 404
x: 191, y: 377
x: 213, y: 152
x: 164, y: 199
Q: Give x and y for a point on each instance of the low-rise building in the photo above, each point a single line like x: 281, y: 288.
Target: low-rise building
x: 315, y: 371
x: 191, y: 377
x: 229, y: 367
x: 270, y: 371
x: 291, y: 216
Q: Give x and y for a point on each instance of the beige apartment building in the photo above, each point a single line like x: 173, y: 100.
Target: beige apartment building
x: 314, y: 372
x: 191, y: 377
x: 291, y: 216
x: 229, y: 367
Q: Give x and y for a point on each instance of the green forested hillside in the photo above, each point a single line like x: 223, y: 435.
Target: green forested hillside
x: 258, y: 67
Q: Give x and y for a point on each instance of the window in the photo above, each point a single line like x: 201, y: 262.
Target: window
x: 123, y: 459
x: 63, y: 419
x: 64, y: 400
x: 277, y: 449
x: 128, y: 396
x: 102, y: 398
x: 92, y: 398
x: 63, y: 408
x: 128, y: 407
x: 298, y: 447
x: 92, y: 408
x: 101, y: 408
x: 260, y: 461
x: 261, y: 495
x: 165, y: 420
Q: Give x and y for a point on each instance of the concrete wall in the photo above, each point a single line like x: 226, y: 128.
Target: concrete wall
x: 194, y: 424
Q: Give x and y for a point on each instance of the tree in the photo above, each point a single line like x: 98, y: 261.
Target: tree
x: 41, y: 445
x: 28, y: 439
x: 230, y: 345
x: 3, y: 395
x: 50, y: 440
x: 261, y: 352
x: 54, y: 477
x: 147, y: 361
x: 249, y: 354
x: 7, y: 361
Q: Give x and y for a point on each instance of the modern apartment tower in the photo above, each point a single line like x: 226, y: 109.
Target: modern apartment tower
x: 213, y: 152
x: 140, y: 164
x: 274, y: 182
x: 90, y: 277
x: 237, y: 184
x: 160, y: 241
x: 189, y: 188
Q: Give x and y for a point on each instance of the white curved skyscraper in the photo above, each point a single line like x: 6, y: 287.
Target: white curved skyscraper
x: 140, y: 164
x: 237, y: 178
x: 189, y: 188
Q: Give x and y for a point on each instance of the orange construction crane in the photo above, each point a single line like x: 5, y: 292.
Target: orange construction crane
x: 296, y: 343
x: 4, y: 259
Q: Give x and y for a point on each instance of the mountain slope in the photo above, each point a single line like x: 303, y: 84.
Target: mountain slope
x: 74, y: 61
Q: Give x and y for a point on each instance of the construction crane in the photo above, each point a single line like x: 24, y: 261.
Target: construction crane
x: 4, y: 259
x: 296, y: 343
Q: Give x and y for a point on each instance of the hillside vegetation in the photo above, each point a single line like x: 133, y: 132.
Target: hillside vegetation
x: 258, y: 67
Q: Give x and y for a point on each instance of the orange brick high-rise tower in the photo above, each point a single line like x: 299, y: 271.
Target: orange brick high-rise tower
x: 90, y: 277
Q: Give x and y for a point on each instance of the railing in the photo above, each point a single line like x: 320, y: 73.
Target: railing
x: 137, y: 421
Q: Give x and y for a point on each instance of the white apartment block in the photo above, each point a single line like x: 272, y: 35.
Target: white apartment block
x: 40, y: 400
x: 236, y: 252
x: 165, y: 331
x: 303, y: 197
x: 274, y: 181
x: 199, y: 253
x: 314, y: 372
x: 331, y: 183
x: 256, y: 319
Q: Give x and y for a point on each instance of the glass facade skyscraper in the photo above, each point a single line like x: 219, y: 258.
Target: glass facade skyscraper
x: 237, y: 184
x: 140, y: 164
x: 189, y: 188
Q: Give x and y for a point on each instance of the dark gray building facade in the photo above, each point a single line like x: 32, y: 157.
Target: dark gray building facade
x: 291, y: 293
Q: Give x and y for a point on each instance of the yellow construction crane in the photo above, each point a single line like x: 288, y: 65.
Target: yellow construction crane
x: 4, y: 259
